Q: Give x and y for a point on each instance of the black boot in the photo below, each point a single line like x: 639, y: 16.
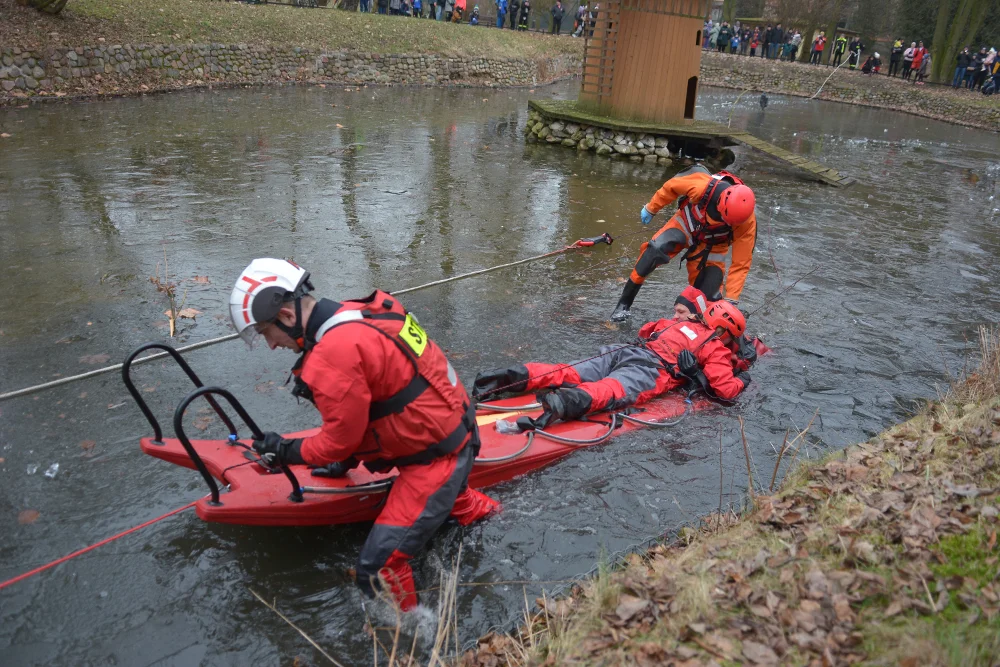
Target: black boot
x: 564, y: 404
x: 499, y: 382
x: 625, y: 302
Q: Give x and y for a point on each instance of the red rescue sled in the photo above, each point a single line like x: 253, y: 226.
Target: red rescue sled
x: 257, y: 494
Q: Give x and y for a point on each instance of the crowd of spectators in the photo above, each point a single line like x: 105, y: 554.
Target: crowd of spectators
x: 511, y: 14
x: 973, y: 70
x: 772, y: 42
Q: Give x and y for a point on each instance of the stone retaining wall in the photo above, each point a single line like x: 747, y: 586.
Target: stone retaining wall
x: 124, y: 68
x: 852, y: 87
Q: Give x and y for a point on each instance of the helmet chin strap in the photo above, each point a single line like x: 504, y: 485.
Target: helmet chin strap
x: 295, y: 332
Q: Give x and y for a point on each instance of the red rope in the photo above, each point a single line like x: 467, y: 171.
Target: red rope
x: 80, y: 552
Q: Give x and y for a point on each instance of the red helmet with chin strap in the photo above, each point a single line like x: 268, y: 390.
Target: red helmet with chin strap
x: 726, y: 315
x: 736, y: 204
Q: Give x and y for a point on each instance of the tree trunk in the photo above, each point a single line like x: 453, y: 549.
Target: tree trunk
x: 729, y: 11
x: 805, y: 49
x: 831, y: 31
x: 966, y: 10
x: 940, y: 33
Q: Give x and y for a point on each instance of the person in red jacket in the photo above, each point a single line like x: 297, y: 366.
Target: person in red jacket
x: 388, y: 398
x: 670, y: 354
x: 715, y: 212
x: 691, y: 304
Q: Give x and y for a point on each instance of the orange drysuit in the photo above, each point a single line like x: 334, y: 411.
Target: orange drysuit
x: 707, y: 240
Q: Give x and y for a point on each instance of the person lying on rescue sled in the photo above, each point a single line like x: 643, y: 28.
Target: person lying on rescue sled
x: 671, y: 353
x: 388, y: 398
x: 691, y: 304
x: 714, y: 213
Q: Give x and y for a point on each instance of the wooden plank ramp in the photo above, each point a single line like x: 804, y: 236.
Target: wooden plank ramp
x: 815, y: 170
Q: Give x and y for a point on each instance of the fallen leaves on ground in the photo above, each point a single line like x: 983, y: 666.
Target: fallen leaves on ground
x: 88, y: 447
x: 856, y: 540
x: 201, y: 279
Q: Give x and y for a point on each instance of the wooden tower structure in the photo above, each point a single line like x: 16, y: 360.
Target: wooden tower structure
x: 642, y: 58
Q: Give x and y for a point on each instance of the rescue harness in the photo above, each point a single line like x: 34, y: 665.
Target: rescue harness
x: 411, y: 340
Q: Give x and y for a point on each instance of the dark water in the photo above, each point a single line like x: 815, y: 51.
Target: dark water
x: 393, y: 188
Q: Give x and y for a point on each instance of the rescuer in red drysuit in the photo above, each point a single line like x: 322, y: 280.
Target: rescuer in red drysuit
x: 691, y: 304
x: 670, y: 354
x: 388, y: 398
x: 714, y: 213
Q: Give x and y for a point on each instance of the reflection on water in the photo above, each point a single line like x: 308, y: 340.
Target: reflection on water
x: 393, y: 188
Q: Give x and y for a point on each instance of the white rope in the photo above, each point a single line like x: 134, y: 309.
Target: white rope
x: 222, y: 339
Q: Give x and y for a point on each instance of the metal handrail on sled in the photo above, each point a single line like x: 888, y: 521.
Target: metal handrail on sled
x: 127, y: 379
x: 296, y: 495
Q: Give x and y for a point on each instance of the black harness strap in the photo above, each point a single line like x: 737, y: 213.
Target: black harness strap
x: 449, y: 444
x: 396, y: 403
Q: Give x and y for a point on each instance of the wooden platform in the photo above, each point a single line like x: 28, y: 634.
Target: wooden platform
x: 711, y: 134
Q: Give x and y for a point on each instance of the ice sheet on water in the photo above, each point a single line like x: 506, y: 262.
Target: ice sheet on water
x: 52, y: 471
x: 32, y: 468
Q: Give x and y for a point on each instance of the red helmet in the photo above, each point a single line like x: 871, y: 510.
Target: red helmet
x: 726, y: 315
x: 736, y: 204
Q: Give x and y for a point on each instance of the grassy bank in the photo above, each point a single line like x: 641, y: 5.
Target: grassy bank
x: 885, y: 553
x: 204, y: 21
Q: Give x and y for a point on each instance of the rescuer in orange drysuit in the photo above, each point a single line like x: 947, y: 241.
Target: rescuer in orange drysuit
x: 714, y: 213
x: 670, y: 354
x: 389, y: 399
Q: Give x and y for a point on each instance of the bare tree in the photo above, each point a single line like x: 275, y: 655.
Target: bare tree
x: 958, y: 21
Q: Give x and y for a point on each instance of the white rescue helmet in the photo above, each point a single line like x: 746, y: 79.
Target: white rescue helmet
x: 261, y: 290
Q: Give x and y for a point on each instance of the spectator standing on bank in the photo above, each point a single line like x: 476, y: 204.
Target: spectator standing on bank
x: 925, y: 66
x: 919, y: 54
x: 978, y: 62
x: 722, y: 41
x: 765, y: 40
x: 513, y: 8
x: 839, y: 46
x: 557, y: 16
x: 817, y: 48
x: 713, y: 36
x: 458, y: 11
x: 777, y: 39
x: 734, y: 43
x: 415, y: 9
x: 755, y: 41
x: 895, y: 56
x: 854, y: 53
x: 962, y: 63
x: 522, y: 22
x: 986, y: 72
x: 383, y: 6
x: 908, y: 61
x: 365, y: 6
x: 706, y: 30
x: 745, y: 40
x: 501, y: 6
x: 580, y: 20
x: 792, y: 47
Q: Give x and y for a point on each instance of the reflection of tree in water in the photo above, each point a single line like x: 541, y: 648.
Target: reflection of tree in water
x: 353, y: 142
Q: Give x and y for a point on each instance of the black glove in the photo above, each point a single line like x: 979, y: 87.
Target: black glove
x: 278, y: 450
x: 687, y: 364
x: 337, y: 468
x: 744, y: 377
x: 746, y: 350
